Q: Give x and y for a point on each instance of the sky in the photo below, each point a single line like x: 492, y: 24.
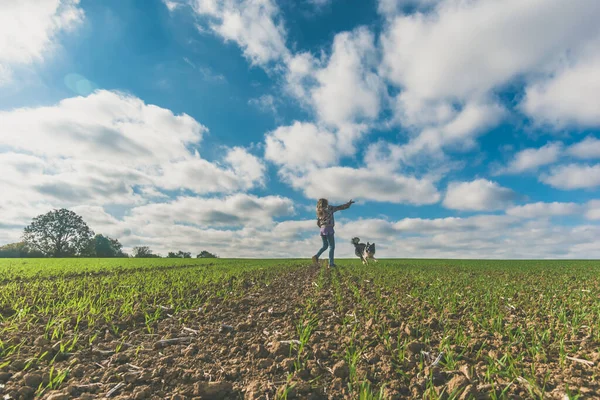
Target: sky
x: 462, y: 129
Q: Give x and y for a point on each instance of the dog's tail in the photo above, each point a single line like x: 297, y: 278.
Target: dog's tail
x: 355, y: 240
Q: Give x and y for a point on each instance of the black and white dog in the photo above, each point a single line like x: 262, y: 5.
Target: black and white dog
x: 364, y: 251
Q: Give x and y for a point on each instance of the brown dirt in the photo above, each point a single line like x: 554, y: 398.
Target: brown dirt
x: 239, y: 349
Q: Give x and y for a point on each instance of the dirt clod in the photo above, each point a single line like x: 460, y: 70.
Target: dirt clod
x: 253, y: 391
x: 280, y: 349
x: 469, y: 392
x: 33, y: 379
x: 26, y: 392
x: 5, y: 376
x: 259, y: 351
x: 142, y: 392
x: 57, y: 396
x: 457, y: 382
x: 415, y: 347
x: 212, y: 390
x: 130, y: 377
x: 264, y: 363
x: 341, y: 369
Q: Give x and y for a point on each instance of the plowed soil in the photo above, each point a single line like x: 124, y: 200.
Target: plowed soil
x: 246, y: 347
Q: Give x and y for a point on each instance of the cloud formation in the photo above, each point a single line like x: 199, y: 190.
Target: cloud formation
x: 29, y: 29
x: 254, y: 25
x: 109, y: 149
x: 478, y: 195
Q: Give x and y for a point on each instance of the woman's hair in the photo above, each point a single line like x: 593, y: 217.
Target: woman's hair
x: 321, y: 206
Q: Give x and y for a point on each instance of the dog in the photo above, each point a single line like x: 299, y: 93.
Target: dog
x: 364, y: 251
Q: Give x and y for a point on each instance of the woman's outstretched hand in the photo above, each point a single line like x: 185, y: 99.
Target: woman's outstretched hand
x: 351, y: 202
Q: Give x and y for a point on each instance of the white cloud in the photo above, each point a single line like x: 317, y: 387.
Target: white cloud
x: 586, y: 149
x: 33, y: 179
x: 460, y: 132
x: 265, y: 103
x: 254, y: 25
x: 236, y: 211
x: 5, y: 75
x: 453, y: 224
x: 349, y: 72
x: 300, y: 147
x: 299, y: 74
x: 171, y: 5
x: 344, y: 183
x: 111, y: 148
x: 573, y: 176
x: 543, y: 210
x: 305, y: 154
x: 463, y: 49
x: 242, y: 171
x: 532, y: 159
x: 246, y: 166
x: 569, y: 96
x: 390, y: 8
x: 104, y: 126
x: 28, y: 30
x: 593, y: 210
x: 349, y: 75
x: 478, y: 195
x: 427, y: 147
x: 102, y: 222
x: 450, y: 54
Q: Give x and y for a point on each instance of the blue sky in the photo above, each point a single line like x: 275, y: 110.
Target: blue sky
x: 461, y: 129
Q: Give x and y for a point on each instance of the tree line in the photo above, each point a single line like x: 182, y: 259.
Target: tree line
x: 63, y: 233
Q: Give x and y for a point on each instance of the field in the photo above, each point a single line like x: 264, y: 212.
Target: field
x: 267, y: 329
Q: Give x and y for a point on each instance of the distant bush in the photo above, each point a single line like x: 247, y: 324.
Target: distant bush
x: 206, y: 254
x: 103, y: 246
x: 179, y: 254
x: 144, y: 252
x: 19, y: 250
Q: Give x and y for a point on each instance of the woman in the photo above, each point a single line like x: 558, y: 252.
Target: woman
x: 326, y: 222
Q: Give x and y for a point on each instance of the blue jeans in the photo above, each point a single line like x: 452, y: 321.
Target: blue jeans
x: 328, y: 241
